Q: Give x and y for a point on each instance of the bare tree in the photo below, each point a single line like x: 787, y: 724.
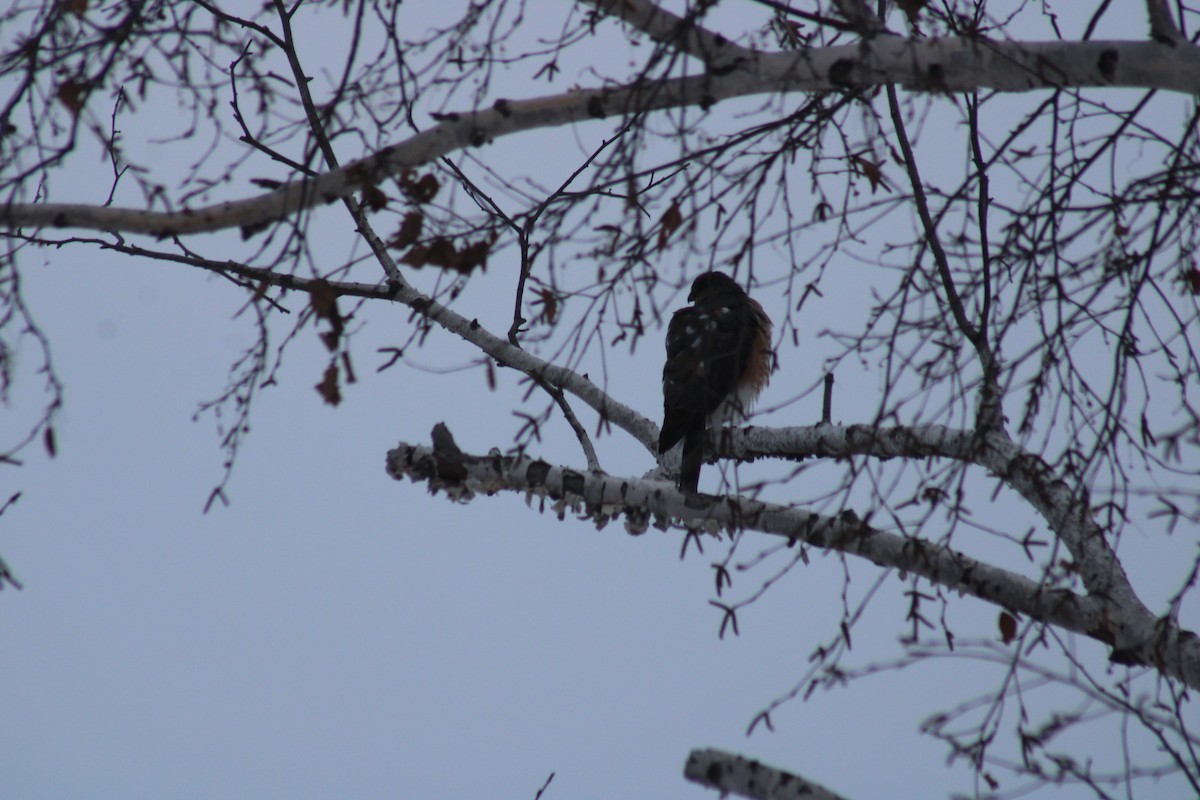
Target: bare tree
x: 1000, y: 204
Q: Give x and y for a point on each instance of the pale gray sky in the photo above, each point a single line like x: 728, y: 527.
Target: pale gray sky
x: 334, y: 633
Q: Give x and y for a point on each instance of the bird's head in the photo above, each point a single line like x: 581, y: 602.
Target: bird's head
x: 711, y: 284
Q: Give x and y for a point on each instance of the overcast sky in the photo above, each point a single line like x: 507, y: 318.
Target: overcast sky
x: 335, y: 633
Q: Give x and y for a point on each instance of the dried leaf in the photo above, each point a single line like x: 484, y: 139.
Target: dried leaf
x: 475, y: 256
x: 442, y: 253
x: 410, y: 229
x: 328, y: 387
x: 549, y: 305
x: 416, y: 257
x: 871, y: 171
x: 374, y: 198
x: 72, y: 94
x: 323, y: 300
x: 1008, y: 627
x: 420, y: 190
x: 671, y: 221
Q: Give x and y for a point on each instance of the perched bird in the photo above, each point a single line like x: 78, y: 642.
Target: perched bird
x: 718, y: 359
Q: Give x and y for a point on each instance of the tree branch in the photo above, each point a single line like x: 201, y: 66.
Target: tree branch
x: 944, y: 65
x: 1126, y: 623
x: 1067, y: 513
x: 628, y: 419
x: 682, y: 34
x: 1162, y: 26
x: 602, y: 498
x: 732, y: 774
x: 989, y: 414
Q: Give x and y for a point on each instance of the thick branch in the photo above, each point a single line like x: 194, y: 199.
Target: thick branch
x: 1066, y: 512
x: 943, y: 65
x: 1125, y: 624
x: 684, y: 35
x: 732, y: 774
x: 1162, y: 26
x: 642, y: 501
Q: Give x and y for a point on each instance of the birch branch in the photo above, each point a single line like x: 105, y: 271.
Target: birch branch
x: 1066, y: 510
x: 602, y: 498
x: 683, y: 34
x: 925, y: 65
x: 1162, y: 26
x: 729, y: 773
x: 1127, y: 624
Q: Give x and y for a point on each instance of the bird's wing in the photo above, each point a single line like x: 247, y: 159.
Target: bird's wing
x: 709, y: 347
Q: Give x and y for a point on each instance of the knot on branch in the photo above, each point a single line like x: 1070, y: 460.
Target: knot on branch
x: 589, y: 495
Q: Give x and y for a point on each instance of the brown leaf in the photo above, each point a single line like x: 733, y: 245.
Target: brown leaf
x: 671, y: 221
x: 323, y: 300
x: 410, y: 229
x: 871, y: 171
x: 49, y: 442
x: 442, y: 253
x: 72, y: 94
x: 1191, y: 280
x: 549, y: 305
x: 422, y: 189
x: 1008, y: 627
x: 418, y: 256
x: 328, y: 387
x: 475, y: 256
x: 374, y: 198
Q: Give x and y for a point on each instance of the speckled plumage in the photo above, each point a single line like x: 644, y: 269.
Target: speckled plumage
x: 718, y: 360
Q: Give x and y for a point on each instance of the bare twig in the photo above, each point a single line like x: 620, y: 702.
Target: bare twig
x: 990, y: 416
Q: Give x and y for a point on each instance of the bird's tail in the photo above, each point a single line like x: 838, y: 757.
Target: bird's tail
x: 693, y: 457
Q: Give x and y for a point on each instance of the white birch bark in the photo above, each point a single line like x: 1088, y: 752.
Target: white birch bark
x: 924, y: 65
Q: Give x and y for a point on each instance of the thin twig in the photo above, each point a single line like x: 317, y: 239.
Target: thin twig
x: 989, y: 415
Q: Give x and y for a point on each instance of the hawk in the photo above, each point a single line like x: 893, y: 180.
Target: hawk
x: 718, y: 359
